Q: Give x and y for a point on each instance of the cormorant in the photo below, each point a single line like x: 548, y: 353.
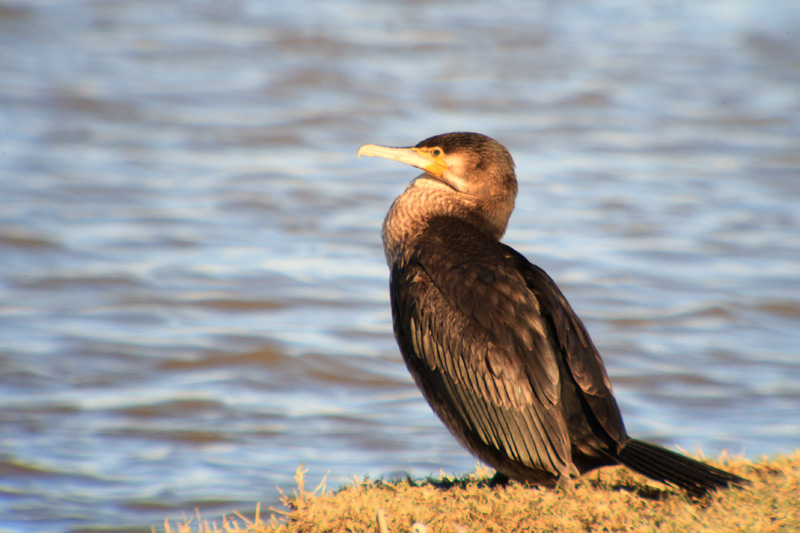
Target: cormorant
x: 489, y: 338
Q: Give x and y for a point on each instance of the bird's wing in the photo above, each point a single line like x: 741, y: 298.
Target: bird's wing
x: 570, y: 335
x: 473, y: 336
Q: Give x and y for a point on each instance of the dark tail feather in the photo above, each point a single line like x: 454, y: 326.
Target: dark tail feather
x: 671, y: 467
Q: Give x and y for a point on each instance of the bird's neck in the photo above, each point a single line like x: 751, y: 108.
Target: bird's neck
x: 426, y: 198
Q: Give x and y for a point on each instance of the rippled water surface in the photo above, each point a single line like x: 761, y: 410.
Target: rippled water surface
x: 193, y: 295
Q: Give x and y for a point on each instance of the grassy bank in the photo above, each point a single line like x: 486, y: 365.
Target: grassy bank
x: 611, y: 499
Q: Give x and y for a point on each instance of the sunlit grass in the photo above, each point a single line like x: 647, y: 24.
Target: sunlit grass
x: 609, y: 500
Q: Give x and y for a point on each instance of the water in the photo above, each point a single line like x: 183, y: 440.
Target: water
x: 193, y: 296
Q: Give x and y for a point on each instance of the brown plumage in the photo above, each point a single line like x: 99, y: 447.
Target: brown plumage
x: 490, y: 340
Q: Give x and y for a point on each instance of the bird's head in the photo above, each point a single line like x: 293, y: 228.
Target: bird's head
x: 478, y: 169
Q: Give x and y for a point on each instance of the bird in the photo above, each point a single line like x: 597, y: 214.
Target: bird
x: 489, y: 338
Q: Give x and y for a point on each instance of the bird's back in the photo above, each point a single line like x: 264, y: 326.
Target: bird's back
x: 499, y: 354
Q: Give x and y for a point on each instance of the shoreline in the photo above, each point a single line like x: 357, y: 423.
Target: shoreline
x: 609, y: 499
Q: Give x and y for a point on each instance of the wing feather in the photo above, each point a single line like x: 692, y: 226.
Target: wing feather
x: 472, y: 336
x: 583, y: 360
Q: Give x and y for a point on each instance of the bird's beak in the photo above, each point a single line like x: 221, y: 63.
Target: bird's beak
x: 416, y: 157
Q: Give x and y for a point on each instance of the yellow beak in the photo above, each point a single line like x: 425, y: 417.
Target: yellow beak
x: 421, y: 158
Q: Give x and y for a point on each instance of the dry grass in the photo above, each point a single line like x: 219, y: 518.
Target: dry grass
x: 609, y: 500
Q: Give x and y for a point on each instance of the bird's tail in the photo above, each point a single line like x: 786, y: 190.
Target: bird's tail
x: 671, y: 467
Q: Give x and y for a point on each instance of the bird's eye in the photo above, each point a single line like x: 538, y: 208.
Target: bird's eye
x: 436, y: 153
